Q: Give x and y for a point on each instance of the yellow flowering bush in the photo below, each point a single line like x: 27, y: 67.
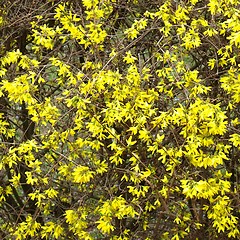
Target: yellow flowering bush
x: 119, y: 119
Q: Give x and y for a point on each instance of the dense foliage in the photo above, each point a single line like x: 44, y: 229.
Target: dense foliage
x: 119, y: 119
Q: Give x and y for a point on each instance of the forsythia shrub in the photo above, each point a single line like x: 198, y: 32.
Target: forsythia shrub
x: 119, y: 119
